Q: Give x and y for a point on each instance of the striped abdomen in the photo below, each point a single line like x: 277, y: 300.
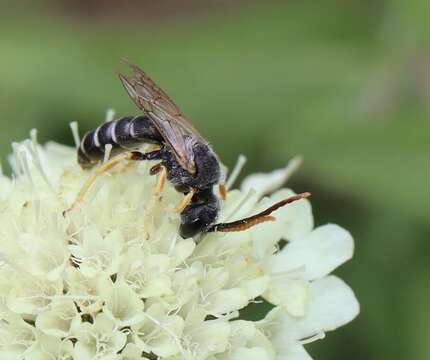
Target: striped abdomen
x: 123, y: 134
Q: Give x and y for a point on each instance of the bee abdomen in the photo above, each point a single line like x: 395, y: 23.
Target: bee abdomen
x: 123, y: 134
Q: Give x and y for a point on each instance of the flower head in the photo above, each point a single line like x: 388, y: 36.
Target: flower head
x: 103, y: 283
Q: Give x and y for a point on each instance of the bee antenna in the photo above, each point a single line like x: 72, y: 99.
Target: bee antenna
x: 263, y: 216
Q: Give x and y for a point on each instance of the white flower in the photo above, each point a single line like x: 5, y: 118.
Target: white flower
x: 158, y: 331
x: 101, y: 340
x: 60, y: 320
x: 103, y: 283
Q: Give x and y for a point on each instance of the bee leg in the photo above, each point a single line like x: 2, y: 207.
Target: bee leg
x: 185, y: 201
x: 161, y: 181
x: 222, y: 191
x: 133, y: 155
x: 159, y: 186
x: 154, y: 170
x: 150, y: 155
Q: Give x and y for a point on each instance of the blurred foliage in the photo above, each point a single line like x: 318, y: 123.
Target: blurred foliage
x: 345, y: 84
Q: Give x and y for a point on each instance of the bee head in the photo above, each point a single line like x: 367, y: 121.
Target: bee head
x: 199, y: 215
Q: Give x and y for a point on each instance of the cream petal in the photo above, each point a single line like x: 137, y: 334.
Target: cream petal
x: 294, y: 351
x: 49, y: 347
x: 118, y: 341
x: 247, y: 342
x: 254, y: 353
x: 48, y: 254
x: 226, y: 301
x: 219, y: 245
x: 83, y: 351
x: 293, y: 222
x: 158, y: 332
x: 103, y: 324
x: 181, y: 251
x: 242, y: 331
x: 98, y: 253
x: 296, y: 218
x: 331, y: 305
x: 323, y: 250
x: 17, y: 338
x: 131, y: 352
x: 214, y: 279
x: 121, y: 302
x: 157, y: 286
x: 237, y: 204
x: 255, y: 287
x: 292, y: 294
x: 84, y: 290
x: 194, y: 317
x: 265, y: 183
x: 32, y: 295
x: 92, y: 240
x: 284, y: 343
x: 90, y: 336
x: 211, y: 337
x: 166, y: 345
x: 60, y: 320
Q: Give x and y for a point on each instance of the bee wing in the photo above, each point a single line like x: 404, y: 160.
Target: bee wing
x: 167, y: 117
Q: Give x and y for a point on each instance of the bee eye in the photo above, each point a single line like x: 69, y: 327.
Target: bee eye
x: 191, y: 229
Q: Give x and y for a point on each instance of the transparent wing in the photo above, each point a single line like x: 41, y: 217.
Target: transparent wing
x: 169, y: 120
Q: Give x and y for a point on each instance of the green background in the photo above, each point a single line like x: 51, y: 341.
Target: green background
x: 346, y: 84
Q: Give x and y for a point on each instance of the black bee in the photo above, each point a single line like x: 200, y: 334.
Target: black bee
x: 190, y: 163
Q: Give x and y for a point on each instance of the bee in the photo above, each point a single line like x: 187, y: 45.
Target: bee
x: 184, y: 157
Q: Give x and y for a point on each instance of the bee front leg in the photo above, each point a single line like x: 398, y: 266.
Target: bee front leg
x: 161, y: 181
x: 185, y: 201
x: 154, y: 170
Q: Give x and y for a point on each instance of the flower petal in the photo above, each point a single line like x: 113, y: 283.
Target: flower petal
x: 292, y: 294
x: 323, y: 250
x: 158, y: 332
x: 294, y: 351
x: 121, y: 303
x: 293, y: 222
x: 60, y: 320
x: 254, y: 353
x: 210, y: 337
x: 226, y: 301
x: 49, y: 347
x: 131, y: 352
x: 101, y: 340
x: 265, y: 183
x: 331, y: 304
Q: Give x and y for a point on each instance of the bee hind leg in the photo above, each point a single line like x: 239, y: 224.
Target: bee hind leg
x: 158, y: 189
x: 131, y: 156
